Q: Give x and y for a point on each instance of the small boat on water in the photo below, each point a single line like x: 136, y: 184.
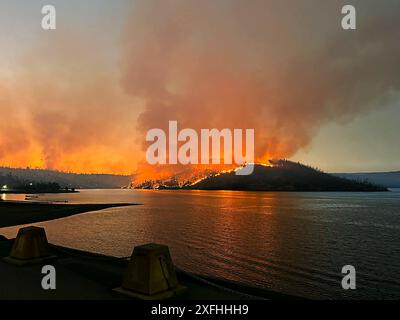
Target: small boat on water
x: 31, y: 197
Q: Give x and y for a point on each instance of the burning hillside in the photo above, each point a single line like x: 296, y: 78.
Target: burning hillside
x: 170, y: 177
x: 283, y: 176
x: 277, y: 175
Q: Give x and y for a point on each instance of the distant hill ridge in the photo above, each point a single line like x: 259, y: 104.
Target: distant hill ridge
x: 388, y: 179
x: 70, y: 180
x: 284, y: 175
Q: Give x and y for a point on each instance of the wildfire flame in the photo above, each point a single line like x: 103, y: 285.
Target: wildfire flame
x: 170, y: 176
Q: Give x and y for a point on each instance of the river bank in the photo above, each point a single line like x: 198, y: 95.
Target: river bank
x: 20, y: 212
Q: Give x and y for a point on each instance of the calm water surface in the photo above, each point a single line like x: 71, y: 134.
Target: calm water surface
x: 291, y: 242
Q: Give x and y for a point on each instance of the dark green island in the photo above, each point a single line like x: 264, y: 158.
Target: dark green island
x: 284, y: 175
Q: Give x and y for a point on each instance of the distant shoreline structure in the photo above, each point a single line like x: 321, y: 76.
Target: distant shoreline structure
x: 64, y: 179
x: 41, y: 192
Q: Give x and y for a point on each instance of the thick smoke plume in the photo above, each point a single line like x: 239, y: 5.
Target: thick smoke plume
x: 283, y: 68
x: 79, y: 101
x: 63, y: 109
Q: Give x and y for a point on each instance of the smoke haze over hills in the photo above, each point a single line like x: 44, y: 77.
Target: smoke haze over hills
x: 83, y: 97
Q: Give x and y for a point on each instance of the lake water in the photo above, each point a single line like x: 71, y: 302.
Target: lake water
x: 295, y: 243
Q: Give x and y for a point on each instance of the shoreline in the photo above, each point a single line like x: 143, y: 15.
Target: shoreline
x: 14, y: 213
x: 85, y: 275
x: 37, y: 192
x: 267, y: 190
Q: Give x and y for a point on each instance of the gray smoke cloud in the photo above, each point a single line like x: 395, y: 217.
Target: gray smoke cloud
x: 284, y: 68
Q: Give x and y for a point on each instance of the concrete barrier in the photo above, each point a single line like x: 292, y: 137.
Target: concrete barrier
x: 30, y: 247
x: 150, y: 274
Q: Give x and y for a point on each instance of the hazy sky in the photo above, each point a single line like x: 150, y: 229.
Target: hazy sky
x: 80, y: 98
